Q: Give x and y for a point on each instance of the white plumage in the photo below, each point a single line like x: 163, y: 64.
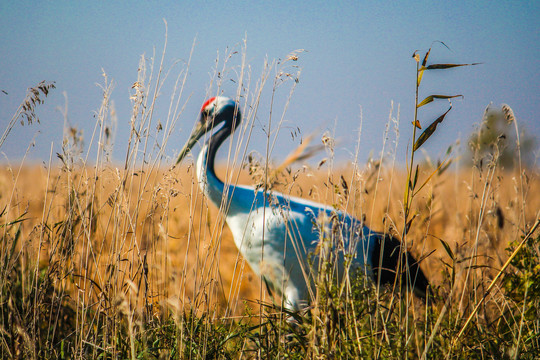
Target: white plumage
x: 276, y: 233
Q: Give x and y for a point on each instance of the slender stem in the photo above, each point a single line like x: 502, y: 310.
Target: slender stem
x: 408, y: 192
x: 494, y: 281
x: 10, y: 125
x: 408, y: 198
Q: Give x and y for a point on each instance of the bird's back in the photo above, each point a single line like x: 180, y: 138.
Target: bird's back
x: 283, y: 238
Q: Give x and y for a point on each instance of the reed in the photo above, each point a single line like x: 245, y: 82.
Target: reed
x: 128, y: 260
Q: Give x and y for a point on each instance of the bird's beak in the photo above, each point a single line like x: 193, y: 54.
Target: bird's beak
x: 199, y: 131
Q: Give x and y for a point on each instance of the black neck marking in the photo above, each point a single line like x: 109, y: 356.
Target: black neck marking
x: 231, y: 116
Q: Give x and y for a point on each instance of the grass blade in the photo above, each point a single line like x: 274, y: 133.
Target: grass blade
x: 447, y: 66
x: 426, y: 57
x: 430, y: 130
x: 430, y: 98
x: 447, y: 249
x: 494, y: 281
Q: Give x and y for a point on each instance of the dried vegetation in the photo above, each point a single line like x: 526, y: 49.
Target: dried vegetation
x: 105, y: 260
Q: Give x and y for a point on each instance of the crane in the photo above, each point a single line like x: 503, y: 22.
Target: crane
x: 277, y: 234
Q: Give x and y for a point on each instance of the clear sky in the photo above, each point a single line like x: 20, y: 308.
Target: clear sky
x: 358, y: 55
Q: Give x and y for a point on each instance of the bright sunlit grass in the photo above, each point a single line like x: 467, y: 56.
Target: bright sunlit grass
x: 128, y: 260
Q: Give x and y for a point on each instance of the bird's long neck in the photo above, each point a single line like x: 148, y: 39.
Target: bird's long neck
x: 210, y: 184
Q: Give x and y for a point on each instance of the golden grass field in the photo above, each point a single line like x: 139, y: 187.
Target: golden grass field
x: 110, y: 260
x: 152, y: 238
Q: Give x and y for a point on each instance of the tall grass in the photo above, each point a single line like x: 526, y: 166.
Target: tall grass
x: 100, y: 259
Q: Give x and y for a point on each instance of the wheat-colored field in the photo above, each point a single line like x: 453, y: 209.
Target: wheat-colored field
x: 109, y: 260
x: 153, y: 239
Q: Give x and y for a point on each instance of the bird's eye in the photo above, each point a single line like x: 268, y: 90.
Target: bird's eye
x: 204, y: 118
x: 206, y: 115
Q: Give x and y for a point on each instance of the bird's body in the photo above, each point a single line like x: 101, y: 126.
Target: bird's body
x: 277, y: 234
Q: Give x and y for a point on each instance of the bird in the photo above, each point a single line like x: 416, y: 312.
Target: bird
x: 280, y: 236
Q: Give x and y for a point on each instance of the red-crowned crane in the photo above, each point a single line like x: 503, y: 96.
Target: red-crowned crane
x: 276, y: 233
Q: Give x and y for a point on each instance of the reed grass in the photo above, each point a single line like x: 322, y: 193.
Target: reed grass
x: 107, y: 260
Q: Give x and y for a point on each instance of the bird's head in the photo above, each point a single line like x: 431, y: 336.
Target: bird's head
x: 216, y: 110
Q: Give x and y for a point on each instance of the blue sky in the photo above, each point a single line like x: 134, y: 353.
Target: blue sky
x: 358, y: 55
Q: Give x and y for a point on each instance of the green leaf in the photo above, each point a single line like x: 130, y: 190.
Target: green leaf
x: 430, y: 98
x: 430, y: 130
x: 447, y: 66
